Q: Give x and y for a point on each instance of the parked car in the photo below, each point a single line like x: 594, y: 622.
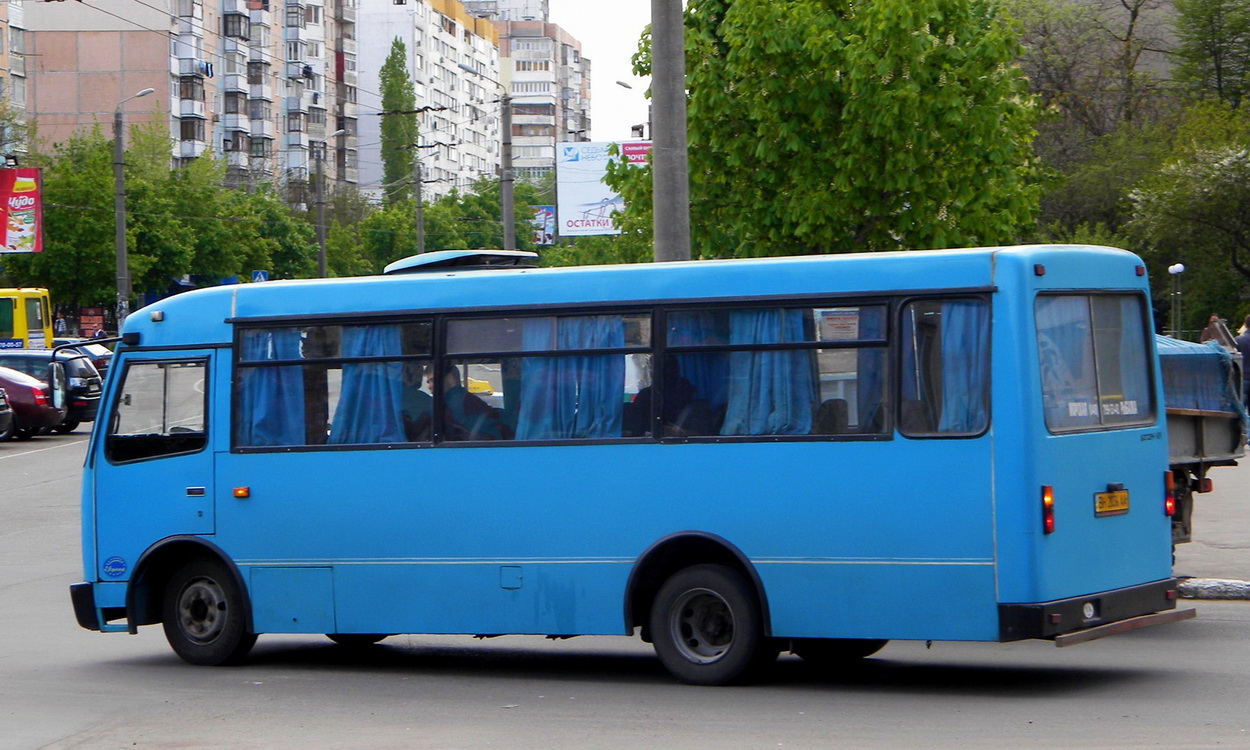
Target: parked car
x: 6, y: 417
x: 99, y: 354
x: 83, y: 381
x: 31, y: 402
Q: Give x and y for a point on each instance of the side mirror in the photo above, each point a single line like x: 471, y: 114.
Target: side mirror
x: 56, y: 381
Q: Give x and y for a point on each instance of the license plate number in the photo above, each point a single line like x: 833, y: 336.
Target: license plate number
x: 1111, y: 503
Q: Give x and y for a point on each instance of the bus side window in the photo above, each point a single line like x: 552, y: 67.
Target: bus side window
x: 945, y: 368
x: 161, y: 412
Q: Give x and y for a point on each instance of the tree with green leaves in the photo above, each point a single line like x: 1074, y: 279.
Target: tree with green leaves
x: 832, y: 126
x: 399, y: 124
x: 1214, y: 47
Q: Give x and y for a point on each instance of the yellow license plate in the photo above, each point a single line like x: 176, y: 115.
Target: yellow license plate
x: 1111, y: 503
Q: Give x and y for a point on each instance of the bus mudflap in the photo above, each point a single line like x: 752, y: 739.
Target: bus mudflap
x: 83, y: 597
x: 1085, y: 618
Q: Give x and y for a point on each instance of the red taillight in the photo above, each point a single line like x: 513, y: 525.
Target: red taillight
x: 1169, y: 494
x: 40, y: 398
x: 1048, y: 509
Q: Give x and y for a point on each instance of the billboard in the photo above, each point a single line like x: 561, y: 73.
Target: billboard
x: 544, y: 225
x: 584, y: 203
x: 21, y: 209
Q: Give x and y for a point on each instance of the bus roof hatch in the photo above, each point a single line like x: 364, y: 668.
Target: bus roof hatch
x: 462, y: 260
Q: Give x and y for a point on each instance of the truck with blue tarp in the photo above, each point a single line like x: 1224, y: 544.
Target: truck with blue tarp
x: 1206, y: 418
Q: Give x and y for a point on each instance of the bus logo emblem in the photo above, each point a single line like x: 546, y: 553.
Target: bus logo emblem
x: 114, y: 567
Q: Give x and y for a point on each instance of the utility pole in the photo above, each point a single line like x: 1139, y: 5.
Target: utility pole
x: 669, y: 160
x: 420, y: 204
x: 321, y: 203
x: 119, y: 211
x: 506, y: 176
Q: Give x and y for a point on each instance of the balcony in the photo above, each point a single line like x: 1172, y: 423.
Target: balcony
x: 237, y: 159
x: 260, y: 91
x: 298, y: 69
x: 296, y: 140
x: 191, y: 108
x: 346, y: 44
x: 235, y: 82
x: 295, y: 104
x: 262, y: 129
x: 236, y: 122
x: 191, y: 149
x: 345, y: 10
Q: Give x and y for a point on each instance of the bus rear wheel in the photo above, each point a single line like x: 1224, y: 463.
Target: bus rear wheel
x: 835, y: 651
x: 204, y: 615
x: 708, y: 628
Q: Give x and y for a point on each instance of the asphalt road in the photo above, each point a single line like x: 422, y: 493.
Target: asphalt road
x: 1183, y: 685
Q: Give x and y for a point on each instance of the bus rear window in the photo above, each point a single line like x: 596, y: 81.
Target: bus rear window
x: 1095, y: 364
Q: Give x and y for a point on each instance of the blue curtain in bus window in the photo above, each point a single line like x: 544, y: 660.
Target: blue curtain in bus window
x: 1065, y: 348
x: 770, y: 392
x: 574, y: 396
x: 965, y: 367
x: 708, y: 372
x: 271, y: 399
x: 870, y: 375
x: 369, y: 408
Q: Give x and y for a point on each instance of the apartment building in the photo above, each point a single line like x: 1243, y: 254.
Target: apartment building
x: 549, y: 80
x: 453, y: 62
x: 261, y: 83
x: 510, y: 10
x: 12, y: 75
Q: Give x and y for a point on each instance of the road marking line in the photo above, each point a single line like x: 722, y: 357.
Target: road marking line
x: 41, y: 450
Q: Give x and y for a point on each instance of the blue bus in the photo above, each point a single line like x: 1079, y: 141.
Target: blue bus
x: 730, y: 458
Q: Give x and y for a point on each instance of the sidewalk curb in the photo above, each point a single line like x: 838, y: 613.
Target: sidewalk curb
x: 1214, y: 588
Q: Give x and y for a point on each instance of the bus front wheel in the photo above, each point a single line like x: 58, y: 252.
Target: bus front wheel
x: 204, y: 615
x: 708, y: 628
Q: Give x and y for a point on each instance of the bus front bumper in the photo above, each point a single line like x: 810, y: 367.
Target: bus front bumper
x: 1086, y: 618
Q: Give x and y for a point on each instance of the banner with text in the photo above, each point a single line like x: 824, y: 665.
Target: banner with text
x: 21, y: 209
x: 585, y: 204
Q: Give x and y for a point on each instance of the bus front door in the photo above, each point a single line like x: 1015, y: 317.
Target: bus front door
x: 153, y: 475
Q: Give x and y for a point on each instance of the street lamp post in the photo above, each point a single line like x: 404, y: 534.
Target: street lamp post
x: 321, y: 203
x: 1176, y: 269
x: 119, y: 210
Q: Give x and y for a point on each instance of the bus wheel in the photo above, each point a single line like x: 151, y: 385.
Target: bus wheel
x: 204, y: 615
x: 355, y: 640
x: 835, y: 651
x: 707, y: 627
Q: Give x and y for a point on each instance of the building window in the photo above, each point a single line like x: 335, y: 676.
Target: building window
x: 191, y: 87
x: 256, y: 72
x: 260, y: 147
x: 235, y: 141
x: 312, y: 14
x: 236, y: 25
x: 295, y: 16
x: 258, y: 109
x: 295, y: 122
x: 295, y: 50
x: 191, y: 129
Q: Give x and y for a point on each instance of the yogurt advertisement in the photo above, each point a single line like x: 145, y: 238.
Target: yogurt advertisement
x: 21, y: 209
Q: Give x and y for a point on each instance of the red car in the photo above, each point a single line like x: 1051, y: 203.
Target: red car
x: 6, y: 417
x: 31, y: 401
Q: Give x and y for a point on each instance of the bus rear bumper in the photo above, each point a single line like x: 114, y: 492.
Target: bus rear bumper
x: 1085, y: 618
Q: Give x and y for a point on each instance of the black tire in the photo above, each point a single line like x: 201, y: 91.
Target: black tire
x: 205, y: 615
x: 8, y: 432
x: 23, y: 433
x: 708, y: 629
x: 355, y: 640
x: 835, y: 651
x: 66, y: 427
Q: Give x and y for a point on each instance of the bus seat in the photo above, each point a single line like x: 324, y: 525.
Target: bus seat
x: 696, y: 418
x: 832, y: 418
